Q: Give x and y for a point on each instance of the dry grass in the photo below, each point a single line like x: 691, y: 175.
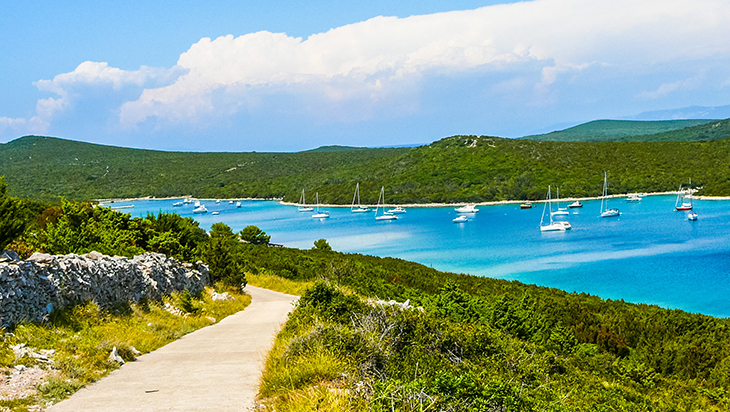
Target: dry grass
x: 84, y: 335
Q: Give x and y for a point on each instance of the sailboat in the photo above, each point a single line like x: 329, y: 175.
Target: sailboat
x: 683, y: 205
x: 358, y: 208
x: 238, y: 204
x: 560, y: 210
x: 605, y: 211
x: 303, y: 203
x: 385, y: 215
x: 558, y: 225
x: 318, y: 214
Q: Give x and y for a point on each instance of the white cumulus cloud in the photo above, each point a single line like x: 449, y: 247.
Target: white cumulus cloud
x: 384, y: 60
x: 359, y: 60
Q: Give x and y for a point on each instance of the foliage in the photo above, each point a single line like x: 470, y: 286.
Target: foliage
x: 481, y: 343
x: 13, y: 217
x: 255, y: 236
x: 454, y: 169
x: 322, y: 245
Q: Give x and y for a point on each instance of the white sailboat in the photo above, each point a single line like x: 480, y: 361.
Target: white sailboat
x: 238, y: 204
x: 318, y: 214
x: 553, y: 226
x: 460, y: 219
x: 385, y: 215
x: 358, y: 208
x: 681, y: 203
x: 560, y: 210
x: 199, y: 209
x: 302, y: 202
x: 605, y: 211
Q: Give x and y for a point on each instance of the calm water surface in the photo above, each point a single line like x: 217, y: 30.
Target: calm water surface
x: 650, y: 254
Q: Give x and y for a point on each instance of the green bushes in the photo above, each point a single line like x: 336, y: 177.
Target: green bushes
x: 485, y: 344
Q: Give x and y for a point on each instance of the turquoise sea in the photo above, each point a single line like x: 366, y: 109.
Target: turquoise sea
x: 650, y: 254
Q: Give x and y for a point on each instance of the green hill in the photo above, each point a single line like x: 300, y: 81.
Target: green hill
x: 454, y: 169
x: 617, y: 130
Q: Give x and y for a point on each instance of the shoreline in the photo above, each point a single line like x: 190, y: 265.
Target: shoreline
x: 108, y: 202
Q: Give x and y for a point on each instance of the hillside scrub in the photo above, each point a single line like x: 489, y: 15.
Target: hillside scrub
x: 456, y: 169
x: 479, y: 343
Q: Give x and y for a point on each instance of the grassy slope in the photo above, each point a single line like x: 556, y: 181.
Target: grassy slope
x: 503, y: 342
x: 50, y: 167
x: 613, y: 130
x: 455, y: 169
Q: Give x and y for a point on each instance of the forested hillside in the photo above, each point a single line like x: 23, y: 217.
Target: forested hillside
x: 615, y: 130
x: 454, y: 169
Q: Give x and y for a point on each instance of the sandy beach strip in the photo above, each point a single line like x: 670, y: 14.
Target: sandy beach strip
x: 108, y: 202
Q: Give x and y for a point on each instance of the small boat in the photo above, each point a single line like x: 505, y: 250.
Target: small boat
x: 460, y: 219
x: 216, y: 213
x: 553, y: 226
x: 187, y: 201
x: 692, y: 216
x: 467, y: 209
x: 177, y: 204
x: 217, y: 201
x: 357, y: 207
x: 575, y: 204
x: 605, y: 211
x: 633, y: 198
x: 385, y: 215
x: 231, y: 202
x: 318, y: 214
x: 681, y: 204
x: 526, y: 205
x: 200, y: 209
x: 197, y: 203
x: 303, y: 203
x: 238, y: 204
x: 561, y: 211
x: 397, y: 211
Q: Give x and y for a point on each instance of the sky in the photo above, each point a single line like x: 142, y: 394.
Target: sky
x: 289, y: 76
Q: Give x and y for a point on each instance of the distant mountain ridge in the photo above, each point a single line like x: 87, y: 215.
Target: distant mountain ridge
x: 690, y: 112
x: 637, y: 131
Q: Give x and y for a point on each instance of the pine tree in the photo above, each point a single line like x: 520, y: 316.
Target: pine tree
x: 13, y: 218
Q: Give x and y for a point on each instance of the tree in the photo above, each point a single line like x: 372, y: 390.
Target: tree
x: 222, y: 230
x: 322, y: 244
x: 255, y: 236
x: 13, y: 218
x: 219, y: 254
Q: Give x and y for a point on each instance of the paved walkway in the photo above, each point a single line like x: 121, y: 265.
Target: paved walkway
x: 216, y: 368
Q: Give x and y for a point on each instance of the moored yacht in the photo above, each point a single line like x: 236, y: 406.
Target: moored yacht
x: 467, y: 209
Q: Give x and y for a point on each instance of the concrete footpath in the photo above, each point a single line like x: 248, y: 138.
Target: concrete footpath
x: 216, y: 368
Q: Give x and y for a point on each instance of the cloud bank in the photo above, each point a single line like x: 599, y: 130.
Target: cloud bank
x: 348, y: 72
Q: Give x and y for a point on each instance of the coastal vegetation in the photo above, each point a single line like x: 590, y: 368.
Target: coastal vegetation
x: 446, y: 341
x: 458, y: 342
x: 456, y: 169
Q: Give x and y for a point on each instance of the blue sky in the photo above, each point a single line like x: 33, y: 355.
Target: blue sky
x: 286, y: 76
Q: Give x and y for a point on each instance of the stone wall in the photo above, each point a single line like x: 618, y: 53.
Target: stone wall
x: 32, y: 288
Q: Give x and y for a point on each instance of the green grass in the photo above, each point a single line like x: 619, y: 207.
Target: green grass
x: 84, y: 335
x: 278, y: 283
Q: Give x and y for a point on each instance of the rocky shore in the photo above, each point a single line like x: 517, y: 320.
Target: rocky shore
x: 31, y: 289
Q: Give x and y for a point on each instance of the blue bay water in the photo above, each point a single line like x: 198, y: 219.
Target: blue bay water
x: 650, y: 254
